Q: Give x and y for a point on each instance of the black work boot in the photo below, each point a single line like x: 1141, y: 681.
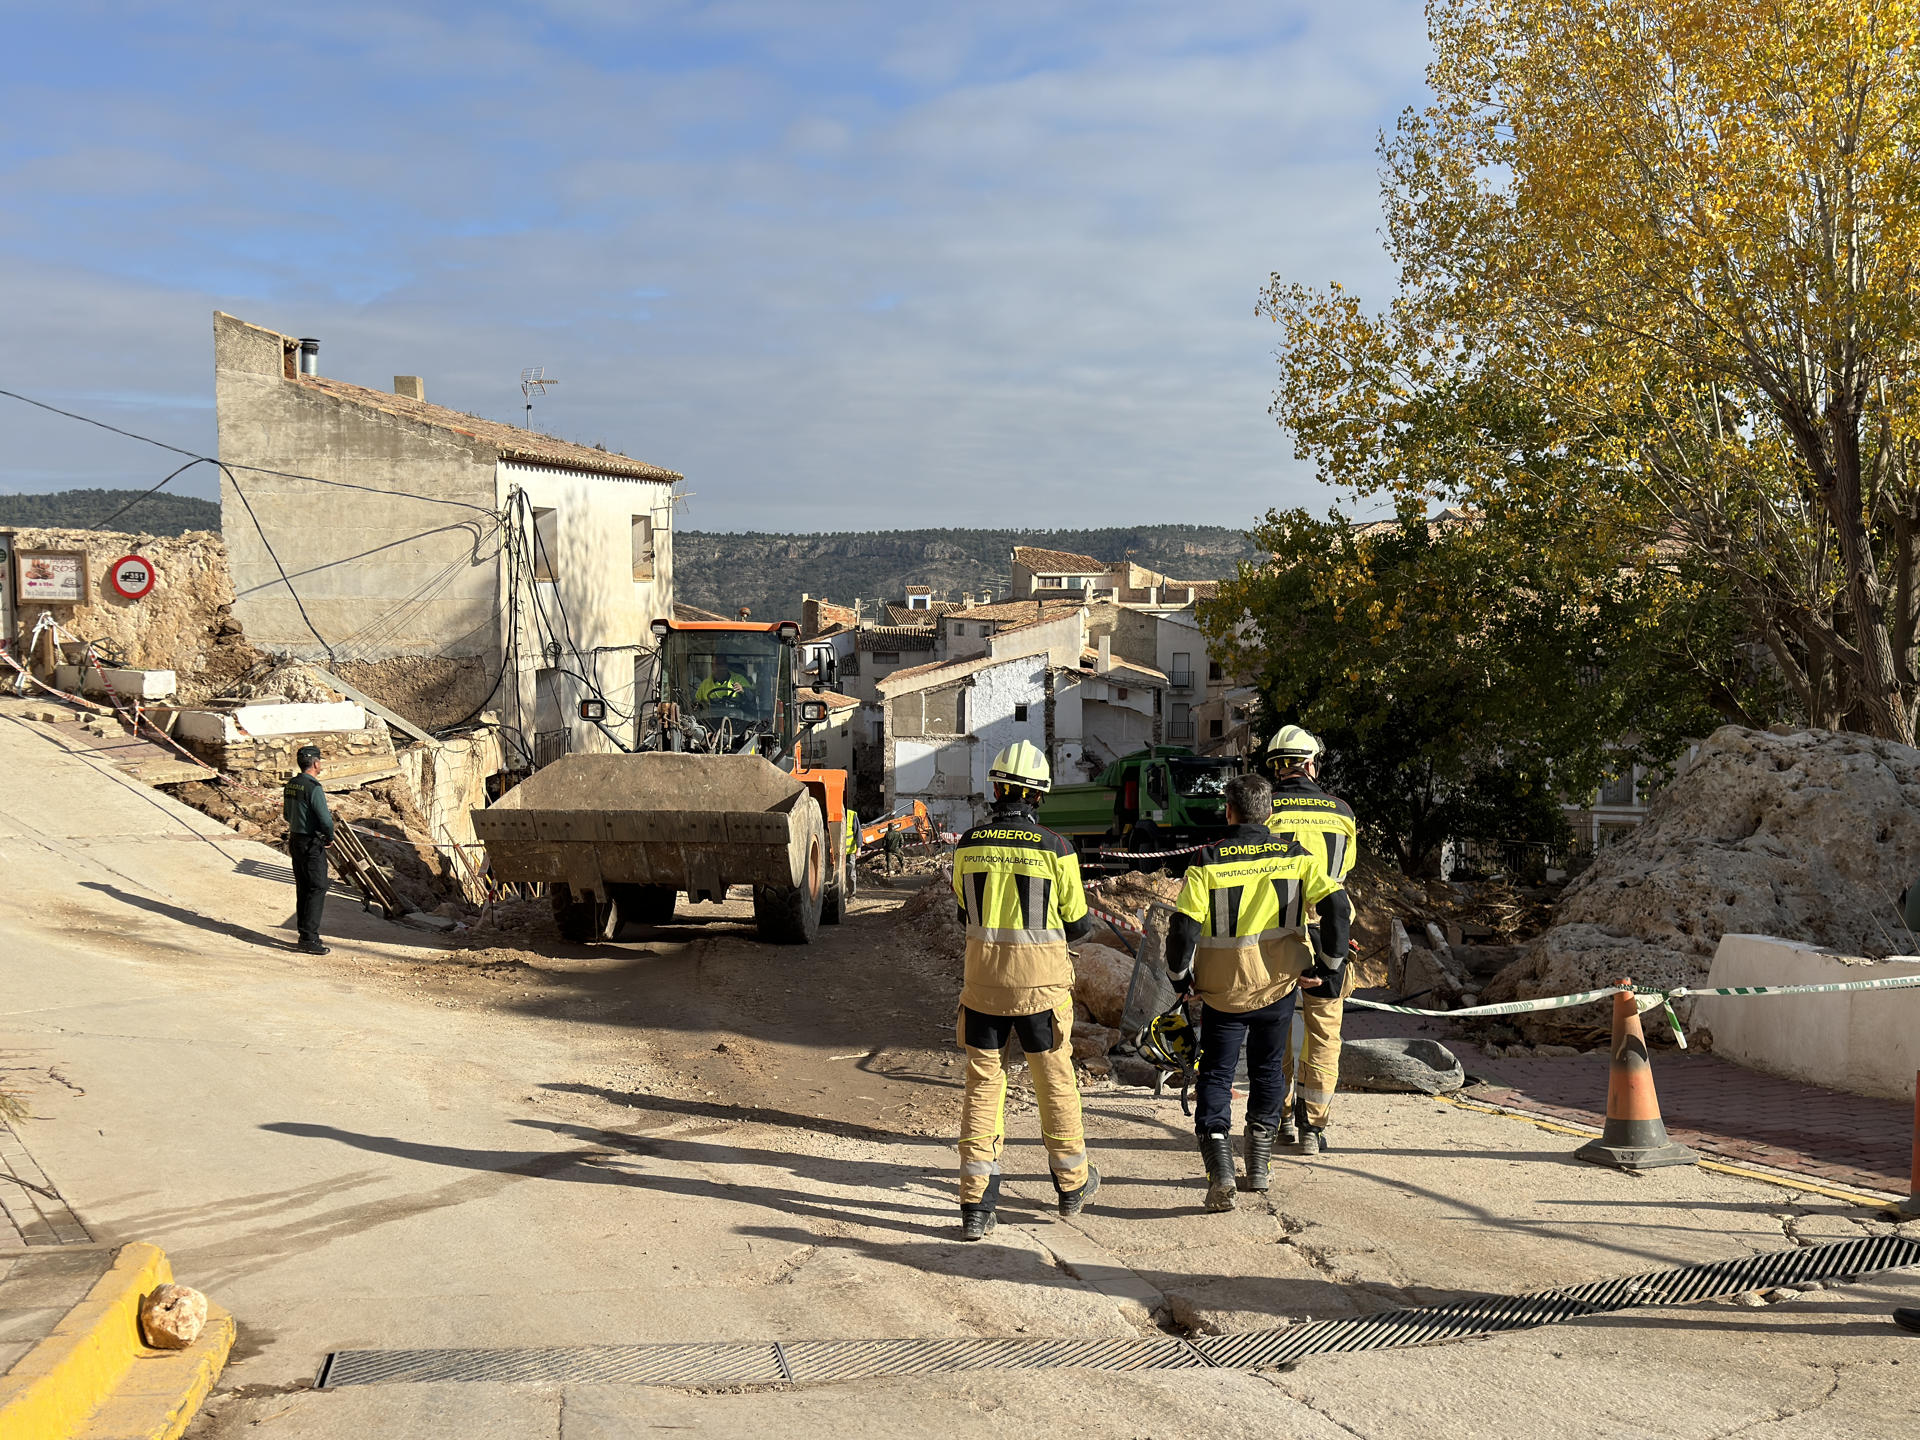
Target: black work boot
x: 1288, y: 1132
x: 977, y: 1221
x: 1217, y: 1152
x: 1259, y: 1155
x: 1072, y: 1202
x: 1907, y: 1319
x: 1313, y: 1142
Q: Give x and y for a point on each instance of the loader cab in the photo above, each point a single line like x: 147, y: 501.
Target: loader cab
x: 722, y: 690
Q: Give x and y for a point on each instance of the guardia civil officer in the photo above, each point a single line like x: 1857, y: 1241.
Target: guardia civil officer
x: 309, y: 832
x: 1018, y: 887
x: 1241, y: 942
x: 1323, y: 823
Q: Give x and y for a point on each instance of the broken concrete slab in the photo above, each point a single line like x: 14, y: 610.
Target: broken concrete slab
x: 128, y: 684
x: 252, y: 721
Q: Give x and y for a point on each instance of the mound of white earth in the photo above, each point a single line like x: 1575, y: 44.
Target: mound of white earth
x: 1810, y: 836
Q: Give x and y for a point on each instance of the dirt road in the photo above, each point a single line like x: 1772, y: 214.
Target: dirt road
x: 409, y: 1148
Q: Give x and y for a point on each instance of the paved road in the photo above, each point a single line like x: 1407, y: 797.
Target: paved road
x: 348, y: 1160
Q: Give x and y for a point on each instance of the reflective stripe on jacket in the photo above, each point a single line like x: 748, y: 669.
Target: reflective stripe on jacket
x: 1318, y: 821
x: 1018, y: 887
x: 1247, y: 896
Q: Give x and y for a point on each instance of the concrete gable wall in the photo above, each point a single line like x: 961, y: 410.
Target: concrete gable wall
x: 381, y: 575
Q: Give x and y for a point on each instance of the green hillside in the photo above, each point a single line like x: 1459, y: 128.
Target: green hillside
x: 769, y: 573
x: 161, y: 514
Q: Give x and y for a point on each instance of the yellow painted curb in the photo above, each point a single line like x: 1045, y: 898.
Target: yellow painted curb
x: 162, y: 1390
x: 95, y: 1366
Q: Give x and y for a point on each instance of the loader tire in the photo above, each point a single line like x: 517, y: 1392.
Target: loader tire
x: 833, y: 904
x: 645, y: 904
x: 581, y: 922
x: 790, y: 914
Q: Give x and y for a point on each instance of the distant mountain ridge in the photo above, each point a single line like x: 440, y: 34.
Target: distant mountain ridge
x: 765, y: 571
x: 769, y: 572
x: 160, y: 514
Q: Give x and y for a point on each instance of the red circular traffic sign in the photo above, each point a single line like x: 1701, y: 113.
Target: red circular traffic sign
x: 132, y: 576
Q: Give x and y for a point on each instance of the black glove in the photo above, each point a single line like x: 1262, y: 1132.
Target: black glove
x: 1327, y: 975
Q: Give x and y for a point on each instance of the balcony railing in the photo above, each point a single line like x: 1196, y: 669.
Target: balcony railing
x: 1181, y: 680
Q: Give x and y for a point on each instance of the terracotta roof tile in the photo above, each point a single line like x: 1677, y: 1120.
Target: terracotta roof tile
x: 1057, y: 562
x: 897, y: 637
x: 833, y: 699
x: 1016, y: 610
x: 510, y: 441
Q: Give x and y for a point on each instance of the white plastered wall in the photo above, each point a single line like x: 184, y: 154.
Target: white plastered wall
x: 608, y: 613
x: 1865, y: 1041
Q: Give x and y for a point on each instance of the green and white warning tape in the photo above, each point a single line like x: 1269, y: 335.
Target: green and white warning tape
x: 1644, y: 1000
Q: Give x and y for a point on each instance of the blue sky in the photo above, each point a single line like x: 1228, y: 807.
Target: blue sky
x: 845, y: 265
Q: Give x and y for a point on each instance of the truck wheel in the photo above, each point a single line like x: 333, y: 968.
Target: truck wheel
x: 790, y: 914
x: 581, y: 922
x: 645, y: 904
x: 1145, y: 838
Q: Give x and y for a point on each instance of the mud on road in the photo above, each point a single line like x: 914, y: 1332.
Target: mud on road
x: 852, y: 1033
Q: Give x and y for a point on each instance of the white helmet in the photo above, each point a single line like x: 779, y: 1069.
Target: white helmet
x: 1021, y: 764
x: 1292, y: 746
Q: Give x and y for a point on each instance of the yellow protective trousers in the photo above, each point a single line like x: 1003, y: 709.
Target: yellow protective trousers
x: 983, y: 1118
x: 1318, y: 1066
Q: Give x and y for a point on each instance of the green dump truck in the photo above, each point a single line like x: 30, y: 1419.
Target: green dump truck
x: 1160, y: 798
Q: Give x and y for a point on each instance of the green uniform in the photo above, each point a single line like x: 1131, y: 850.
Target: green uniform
x: 303, y: 804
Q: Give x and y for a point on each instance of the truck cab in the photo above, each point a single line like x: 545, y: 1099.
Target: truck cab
x: 1160, y: 798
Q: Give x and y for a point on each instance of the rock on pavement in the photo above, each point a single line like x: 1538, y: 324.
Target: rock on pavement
x: 1809, y: 836
x: 1421, y: 1067
x: 173, y: 1316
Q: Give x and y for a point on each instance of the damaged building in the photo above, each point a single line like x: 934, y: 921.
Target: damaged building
x: 444, y: 564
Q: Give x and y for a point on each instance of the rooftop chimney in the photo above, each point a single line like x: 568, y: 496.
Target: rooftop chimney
x: 411, y: 386
x: 309, y: 355
x: 1105, y: 663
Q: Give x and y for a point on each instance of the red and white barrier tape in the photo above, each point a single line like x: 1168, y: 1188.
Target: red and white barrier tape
x: 1114, y: 921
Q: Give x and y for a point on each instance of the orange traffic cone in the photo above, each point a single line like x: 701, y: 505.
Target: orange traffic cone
x: 1635, y: 1137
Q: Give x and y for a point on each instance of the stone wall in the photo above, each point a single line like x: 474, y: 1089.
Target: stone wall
x: 268, y: 759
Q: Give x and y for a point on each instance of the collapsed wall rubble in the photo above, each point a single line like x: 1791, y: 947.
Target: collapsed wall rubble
x: 184, y: 624
x: 1810, y: 836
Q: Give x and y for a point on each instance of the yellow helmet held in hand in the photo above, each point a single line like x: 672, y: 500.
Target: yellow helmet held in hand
x: 1021, y: 764
x: 1292, y: 746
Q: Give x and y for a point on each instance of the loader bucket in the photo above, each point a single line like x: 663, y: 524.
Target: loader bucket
x: 691, y: 822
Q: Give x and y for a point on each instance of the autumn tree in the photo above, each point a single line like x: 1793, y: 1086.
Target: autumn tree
x: 1682, y: 239
x: 1466, y: 674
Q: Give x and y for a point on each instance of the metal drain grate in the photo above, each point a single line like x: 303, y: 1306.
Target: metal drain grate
x: 765, y: 1363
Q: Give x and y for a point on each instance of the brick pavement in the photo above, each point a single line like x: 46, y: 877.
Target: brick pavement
x: 1717, y: 1107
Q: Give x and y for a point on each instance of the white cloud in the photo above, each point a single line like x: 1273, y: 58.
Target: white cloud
x: 841, y: 270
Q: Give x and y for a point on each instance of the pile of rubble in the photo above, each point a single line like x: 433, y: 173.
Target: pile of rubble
x: 1810, y: 836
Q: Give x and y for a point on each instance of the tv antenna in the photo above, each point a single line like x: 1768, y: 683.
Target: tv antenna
x: 534, y: 381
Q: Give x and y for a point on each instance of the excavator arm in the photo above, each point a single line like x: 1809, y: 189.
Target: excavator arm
x: 917, y: 819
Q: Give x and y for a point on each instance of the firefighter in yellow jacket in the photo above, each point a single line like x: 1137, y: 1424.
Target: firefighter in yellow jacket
x: 1018, y: 887
x: 1323, y: 823
x: 1241, y: 941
